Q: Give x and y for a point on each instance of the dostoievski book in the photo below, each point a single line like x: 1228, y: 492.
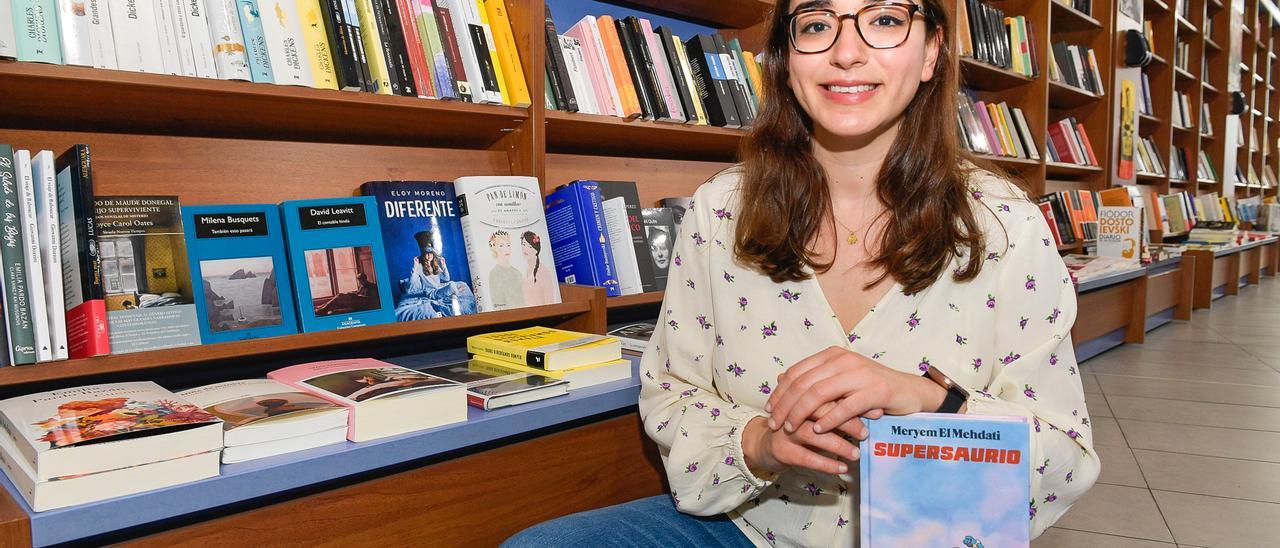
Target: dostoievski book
x: 243, y: 289
x: 337, y: 262
x: 932, y: 479
x: 426, y: 253
x: 145, y: 273
x: 508, y: 247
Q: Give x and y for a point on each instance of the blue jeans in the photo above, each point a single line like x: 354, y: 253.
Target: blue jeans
x: 652, y: 521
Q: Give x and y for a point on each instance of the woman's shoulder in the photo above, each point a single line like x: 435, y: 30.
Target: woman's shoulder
x: 1002, y: 207
x: 721, y: 190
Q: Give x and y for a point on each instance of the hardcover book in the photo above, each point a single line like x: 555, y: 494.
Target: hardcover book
x: 244, y: 289
x: 660, y: 233
x: 262, y: 417
x: 545, y: 348
x: 500, y: 215
x: 382, y: 399
x: 88, y: 333
x: 958, y: 480
x: 580, y: 237
x: 145, y: 274
x: 338, y: 264
x: 426, y: 252
x: 488, y: 389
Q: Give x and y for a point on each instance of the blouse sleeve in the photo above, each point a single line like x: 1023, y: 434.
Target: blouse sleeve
x: 696, y: 428
x: 1035, y: 374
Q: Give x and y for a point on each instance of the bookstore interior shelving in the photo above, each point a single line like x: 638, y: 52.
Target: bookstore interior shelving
x: 209, y: 141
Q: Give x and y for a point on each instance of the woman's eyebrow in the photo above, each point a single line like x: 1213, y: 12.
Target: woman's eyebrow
x: 811, y: 4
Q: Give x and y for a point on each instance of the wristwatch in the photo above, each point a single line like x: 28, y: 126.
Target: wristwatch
x: 956, y: 394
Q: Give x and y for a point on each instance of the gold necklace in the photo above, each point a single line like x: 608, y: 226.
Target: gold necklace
x: 852, y: 238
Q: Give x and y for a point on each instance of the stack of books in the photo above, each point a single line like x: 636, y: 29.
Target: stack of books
x: 263, y: 418
x: 582, y: 359
x: 987, y: 35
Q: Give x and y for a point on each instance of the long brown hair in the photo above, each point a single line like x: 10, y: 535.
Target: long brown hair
x: 923, y: 182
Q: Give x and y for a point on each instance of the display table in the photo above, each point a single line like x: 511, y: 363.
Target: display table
x: 1222, y: 272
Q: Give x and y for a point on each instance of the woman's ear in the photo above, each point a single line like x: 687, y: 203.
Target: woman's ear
x: 932, y: 48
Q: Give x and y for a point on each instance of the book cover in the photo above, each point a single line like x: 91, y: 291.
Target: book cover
x: 145, y: 274
x: 634, y: 336
x: 580, y: 237
x: 630, y: 195
x: 87, y: 327
x: 20, y: 328
x: 488, y: 389
x: 243, y: 286
x: 45, y: 246
x: 315, y: 44
x: 263, y: 410
x: 679, y: 205
x: 1120, y: 232
x: 577, y: 377
x: 545, y: 347
x: 337, y: 261
x: 660, y: 233
x: 36, y: 24
x: 283, y: 30
x: 959, y: 480
x: 73, y: 30
x: 500, y: 215
x: 227, y: 40
x: 426, y: 252
x: 257, y: 53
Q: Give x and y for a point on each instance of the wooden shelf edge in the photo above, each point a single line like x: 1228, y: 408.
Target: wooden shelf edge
x: 1073, y: 19
x: 572, y: 132
x: 1062, y: 95
x: 640, y: 299
x: 993, y: 78
x: 735, y: 14
x: 1062, y: 168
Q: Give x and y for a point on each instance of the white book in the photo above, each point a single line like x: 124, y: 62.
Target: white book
x: 481, y: 29
x: 8, y: 38
x: 578, y: 78
x: 174, y: 47
x: 229, y: 50
x: 283, y: 28
x: 73, y: 29
x: 136, y: 35
x: 255, y: 411
x: 459, y: 14
x: 200, y: 39
x: 46, y: 192
x: 102, y: 42
x: 271, y: 448
x: 624, y: 252
x: 1025, y: 130
x: 592, y: 28
x: 500, y: 215
x: 31, y: 253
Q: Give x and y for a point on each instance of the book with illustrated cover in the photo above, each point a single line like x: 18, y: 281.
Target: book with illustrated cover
x: 145, y: 274
x: 426, y: 252
x: 262, y: 417
x: 934, y: 479
x: 545, y: 347
x: 338, y: 264
x: 660, y: 233
x: 243, y: 287
x: 508, y: 248
x: 86, y: 310
x: 634, y: 336
x: 489, y: 389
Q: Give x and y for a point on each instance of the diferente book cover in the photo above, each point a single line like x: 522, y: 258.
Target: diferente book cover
x: 244, y: 290
x: 338, y: 264
x: 934, y: 479
x: 508, y: 247
x: 145, y: 273
x: 426, y: 252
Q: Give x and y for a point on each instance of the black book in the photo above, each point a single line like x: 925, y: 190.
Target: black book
x: 999, y: 38
x: 736, y: 83
x: 488, y: 73
x: 677, y: 74
x: 344, y: 45
x: 633, y: 67
x: 1066, y: 67
x: 978, y: 26
x: 648, y: 71
x: 635, y: 222
x: 394, y: 37
x: 556, y: 68
x: 396, y: 72
x: 709, y: 79
x: 660, y: 232
x: 1062, y: 217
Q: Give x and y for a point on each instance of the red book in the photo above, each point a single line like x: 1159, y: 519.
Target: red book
x: 1061, y: 144
x: 413, y: 43
x: 449, y: 41
x: 1088, y: 148
x: 87, y: 333
x: 1046, y: 209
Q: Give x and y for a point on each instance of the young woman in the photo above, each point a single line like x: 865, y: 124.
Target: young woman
x: 855, y: 248
x: 540, y: 285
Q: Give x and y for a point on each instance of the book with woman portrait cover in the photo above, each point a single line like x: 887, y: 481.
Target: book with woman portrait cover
x: 382, y: 399
x: 502, y: 217
x: 934, y: 479
x: 243, y: 289
x: 426, y: 252
x: 262, y: 417
x: 337, y: 261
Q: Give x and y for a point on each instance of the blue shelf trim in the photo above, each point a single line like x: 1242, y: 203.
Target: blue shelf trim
x: 1159, y: 318
x: 1099, y: 345
x: 1093, y: 285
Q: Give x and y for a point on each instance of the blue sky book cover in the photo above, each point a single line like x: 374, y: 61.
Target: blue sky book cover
x: 338, y: 264
x: 426, y: 252
x: 943, y: 480
x: 239, y: 271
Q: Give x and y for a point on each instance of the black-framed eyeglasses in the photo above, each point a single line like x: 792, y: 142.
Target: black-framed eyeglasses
x: 883, y: 25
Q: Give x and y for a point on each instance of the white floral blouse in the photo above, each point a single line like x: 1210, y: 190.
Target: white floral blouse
x: 727, y: 331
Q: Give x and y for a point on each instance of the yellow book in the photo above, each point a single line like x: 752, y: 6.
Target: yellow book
x: 510, y: 71
x: 316, y: 44
x: 493, y: 52
x: 546, y: 348
x: 1011, y: 32
x: 753, y: 68
x: 1002, y: 131
x: 1226, y: 210
x: 372, y: 42
x: 700, y: 112
x: 578, y: 377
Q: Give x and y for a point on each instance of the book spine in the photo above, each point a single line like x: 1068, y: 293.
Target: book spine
x: 734, y: 81
x: 417, y: 59
x: 282, y: 29
x: 343, y: 43
x: 36, y: 25
x: 678, y: 80
x: 453, y: 54
x: 230, y: 58
x: 606, y: 267
x: 590, y: 63
x: 31, y: 255
x: 503, y: 352
x: 744, y: 75
x: 662, y: 70
x: 460, y: 34
x: 17, y: 306
x: 351, y: 18
x: 102, y: 44
x: 612, y: 47
x: 648, y: 72
x: 710, y: 78
x: 473, y: 30
x: 379, y: 69
x: 201, y: 38
x: 257, y: 53
x: 508, y: 53
x: 73, y: 31
x: 559, y: 74
x: 579, y: 80
x: 698, y: 108
x: 175, y: 43
x: 46, y: 194
x: 315, y: 44
x: 87, y: 328
x: 8, y: 36
x: 440, y: 61
x: 393, y: 47
x: 489, y: 53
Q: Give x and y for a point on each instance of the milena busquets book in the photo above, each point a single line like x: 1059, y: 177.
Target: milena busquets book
x: 337, y: 261
x: 262, y: 417
x: 145, y: 273
x: 503, y: 217
x: 382, y: 399
x: 934, y: 479
x: 242, y: 288
x: 426, y: 252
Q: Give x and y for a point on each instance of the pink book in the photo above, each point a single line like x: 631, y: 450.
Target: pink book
x: 382, y: 399
x: 604, y: 92
x: 660, y: 66
x: 984, y: 117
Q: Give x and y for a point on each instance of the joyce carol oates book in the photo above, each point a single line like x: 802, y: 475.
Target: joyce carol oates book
x: 580, y: 238
x: 242, y: 287
x: 426, y: 252
x: 508, y: 248
x: 932, y: 479
x: 145, y: 273
x: 382, y: 399
x: 337, y: 261
x: 87, y: 327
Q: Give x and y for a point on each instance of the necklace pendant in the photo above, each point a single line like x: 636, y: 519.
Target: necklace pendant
x: 852, y: 239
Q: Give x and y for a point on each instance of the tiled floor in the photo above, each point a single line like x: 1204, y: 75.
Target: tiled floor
x: 1188, y: 429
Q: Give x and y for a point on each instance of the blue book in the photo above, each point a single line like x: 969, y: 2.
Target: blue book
x: 36, y: 26
x: 240, y: 272
x: 579, y: 238
x: 255, y: 42
x: 933, y: 479
x: 338, y: 264
x: 426, y: 253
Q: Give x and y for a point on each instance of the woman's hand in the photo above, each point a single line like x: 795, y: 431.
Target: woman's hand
x: 852, y: 384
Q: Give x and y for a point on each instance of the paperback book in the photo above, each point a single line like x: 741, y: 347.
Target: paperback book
x: 634, y: 336
x: 500, y: 215
x: 490, y: 389
x: 87, y: 327
x: 660, y: 233
x: 580, y: 237
x: 262, y: 417
x: 577, y: 377
x: 545, y: 347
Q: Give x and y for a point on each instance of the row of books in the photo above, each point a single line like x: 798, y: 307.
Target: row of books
x: 1144, y: 96
x: 1146, y: 157
x: 995, y: 129
x: 1181, y: 115
x: 1075, y: 66
x: 1068, y: 143
x: 1082, y: 6
x: 1182, y: 56
x: 88, y: 443
x: 1072, y: 215
x: 1178, y: 164
x: 629, y: 69
x: 447, y: 49
x: 988, y: 35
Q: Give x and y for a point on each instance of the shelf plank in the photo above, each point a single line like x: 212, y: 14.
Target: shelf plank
x: 1059, y: 169
x: 1156, y: 5
x: 1067, y: 18
x: 639, y: 299
x: 1065, y: 96
x: 734, y: 14
x: 42, y: 96
x: 1210, y: 44
x: 1150, y: 177
x: 1156, y: 59
x: 1210, y: 87
x: 982, y: 76
x: 1186, y: 25
x: 1009, y: 161
x: 1183, y: 74
x: 1148, y: 119
x: 571, y: 132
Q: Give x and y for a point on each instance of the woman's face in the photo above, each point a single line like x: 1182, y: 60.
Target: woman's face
x: 852, y: 90
x: 502, y: 248
x: 527, y: 250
